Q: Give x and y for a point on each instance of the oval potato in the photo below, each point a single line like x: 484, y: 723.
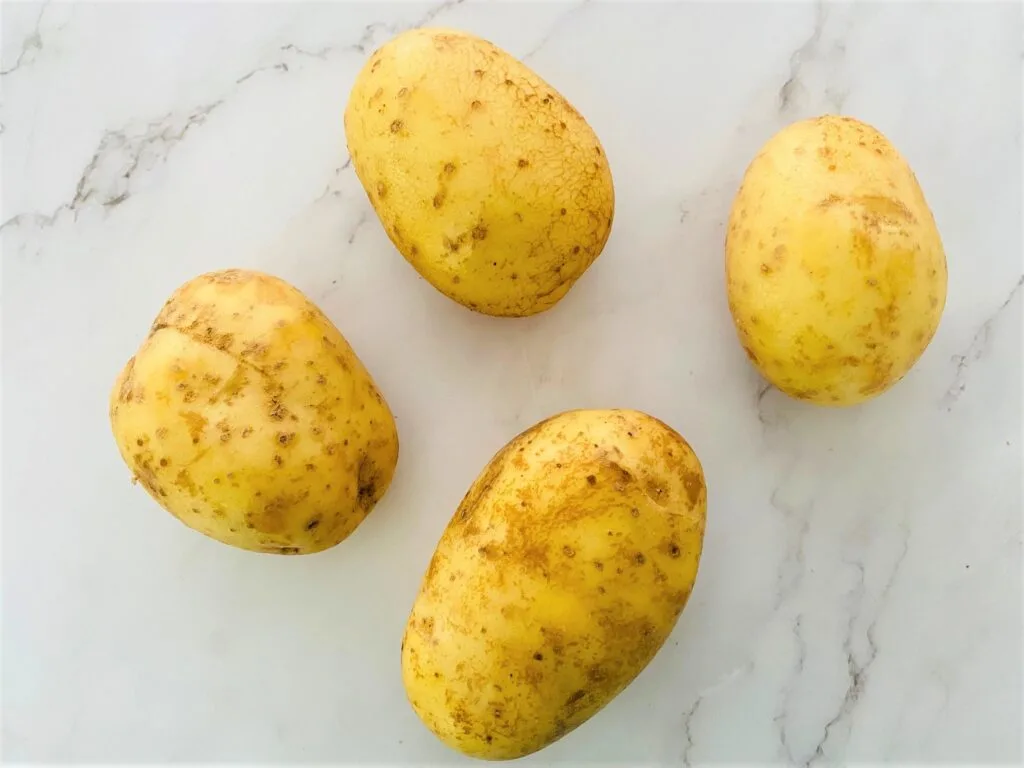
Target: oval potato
x: 247, y: 415
x: 486, y: 179
x: 836, y: 274
x: 560, y: 576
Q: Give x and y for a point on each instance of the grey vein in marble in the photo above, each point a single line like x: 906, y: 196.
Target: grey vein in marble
x: 122, y: 152
x: 976, y: 349
x: 814, y: 52
x: 781, y: 717
x: 118, y: 159
x: 31, y: 45
x: 859, y: 668
x: 559, y: 23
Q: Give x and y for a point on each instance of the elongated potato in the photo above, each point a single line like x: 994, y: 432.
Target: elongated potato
x: 486, y: 179
x: 560, y: 576
x: 247, y: 416
x: 836, y: 274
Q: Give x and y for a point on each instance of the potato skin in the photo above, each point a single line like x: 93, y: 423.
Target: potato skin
x: 836, y: 274
x: 247, y: 416
x: 559, y: 577
x: 486, y: 179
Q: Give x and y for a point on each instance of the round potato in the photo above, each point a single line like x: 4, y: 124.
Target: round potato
x: 486, y: 179
x: 560, y: 576
x: 247, y: 416
x: 836, y: 274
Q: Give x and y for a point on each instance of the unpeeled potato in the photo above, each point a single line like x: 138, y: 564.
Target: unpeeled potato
x: 836, y: 274
x: 557, y: 580
x: 247, y: 415
x: 486, y: 179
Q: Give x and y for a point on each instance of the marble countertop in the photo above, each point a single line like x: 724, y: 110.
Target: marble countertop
x: 859, y: 598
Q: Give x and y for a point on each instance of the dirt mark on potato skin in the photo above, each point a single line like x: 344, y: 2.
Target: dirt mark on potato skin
x: 559, y: 518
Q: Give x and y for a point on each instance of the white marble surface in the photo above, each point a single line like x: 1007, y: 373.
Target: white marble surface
x: 860, y: 593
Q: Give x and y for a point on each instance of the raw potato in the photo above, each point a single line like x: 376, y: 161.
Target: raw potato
x: 247, y: 416
x: 555, y: 583
x: 836, y: 273
x: 485, y: 178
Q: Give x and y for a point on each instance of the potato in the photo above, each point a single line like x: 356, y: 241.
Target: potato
x: 247, y: 416
x: 486, y: 179
x: 835, y: 270
x: 555, y: 583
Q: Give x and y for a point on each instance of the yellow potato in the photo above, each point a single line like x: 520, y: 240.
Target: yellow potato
x: 560, y: 576
x: 486, y: 179
x: 836, y: 274
x: 247, y: 416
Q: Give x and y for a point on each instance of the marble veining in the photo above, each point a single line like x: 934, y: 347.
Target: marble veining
x: 859, y: 597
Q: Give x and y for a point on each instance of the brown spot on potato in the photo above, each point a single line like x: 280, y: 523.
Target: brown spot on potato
x: 403, y: 91
x: 396, y: 126
x: 184, y: 480
x: 568, y: 551
x: 195, y: 423
x: 478, y: 73
x: 382, y: 190
x: 591, y: 480
x: 576, y: 696
x: 438, y: 199
x: 656, y: 490
x: 523, y: 162
x: 277, y: 411
x: 479, y: 232
x: 367, y: 478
